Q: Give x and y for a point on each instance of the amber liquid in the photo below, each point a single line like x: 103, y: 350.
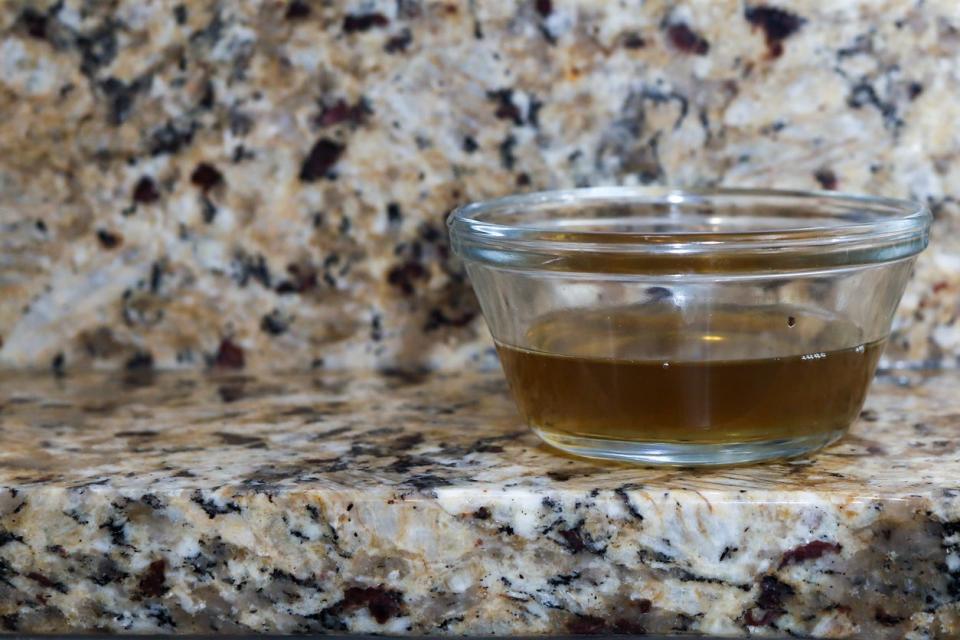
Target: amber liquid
x: 709, y: 376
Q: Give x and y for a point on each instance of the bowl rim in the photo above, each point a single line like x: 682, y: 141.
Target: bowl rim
x: 899, y: 229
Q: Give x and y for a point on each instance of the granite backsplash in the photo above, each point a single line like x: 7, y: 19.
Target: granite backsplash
x: 263, y: 184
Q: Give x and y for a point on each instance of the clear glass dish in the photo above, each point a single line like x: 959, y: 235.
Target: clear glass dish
x: 689, y: 327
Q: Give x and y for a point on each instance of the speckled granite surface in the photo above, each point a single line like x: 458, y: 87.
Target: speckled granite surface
x: 263, y: 183
x: 397, y: 504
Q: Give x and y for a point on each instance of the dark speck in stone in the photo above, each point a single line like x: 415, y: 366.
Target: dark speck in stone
x: 152, y: 501
x: 340, y: 111
x: 506, y: 109
x: 405, y: 463
x: 863, y: 94
x: 145, y: 191
x: 809, y: 551
x: 446, y: 622
x: 323, y: 155
x: 240, y: 123
x: 914, y: 89
x: 57, y: 364
x: 424, y: 481
x: 303, y: 278
x: 7, y: 571
x: 34, y: 22
x: 404, y: 377
x: 231, y: 393
x: 621, y: 493
x: 206, y: 176
x: 772, y: 593
x: 383, y: 604
x: 485, y: 445
x: 180, y: 14
x: 107, y: 573
x: 429, y: 232
x: 120, y: 97
x: 229, y: 355
x: 573, y: 540
x: 826, y: 178
x: 240, y: 153
x: 140, y: 361
x: 9, y: 621
x: 208, y: 98
x: 238, y: 440
x: 582, y: 625
x: 170, y: 138
x: 109, y: 239
x: 563, y: 580
x: 469, y: 144
x: 507, y: 157
x: 423, y: 141
x: 777, y: 24
x: 482, y: 513
x: 404, y: 276
x: 161, y: 615
x: 685, y: 39
x: 156, y: 277
x: 202, y: 565
x: 394, y: 214
x: 6, y: 538
x: 76, y: 516
x: 246, y: 267
x: 887, y: 619
x: 543, y: 7
x: 153, y: 580
x: 274, y: 323
x: 399, y: 43
x: 633, y: 40
x: 97, y: 48
x: 437, y: 318
x: 363, y: 22
x: 406, y: 442
x: 211, y: 508
x: 297, y: 10
x: 117, y: 529
x: 328, y: 619
x: 407, y: 9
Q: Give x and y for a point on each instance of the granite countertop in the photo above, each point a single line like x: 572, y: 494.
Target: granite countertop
x: 418, y: 504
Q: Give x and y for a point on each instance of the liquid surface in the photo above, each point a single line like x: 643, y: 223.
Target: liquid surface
x: 707, y: 377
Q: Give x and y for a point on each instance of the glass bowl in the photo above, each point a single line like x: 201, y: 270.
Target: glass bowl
x: 689, y: 327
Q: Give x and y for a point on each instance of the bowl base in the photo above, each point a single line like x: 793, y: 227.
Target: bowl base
x: 693, y: 455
